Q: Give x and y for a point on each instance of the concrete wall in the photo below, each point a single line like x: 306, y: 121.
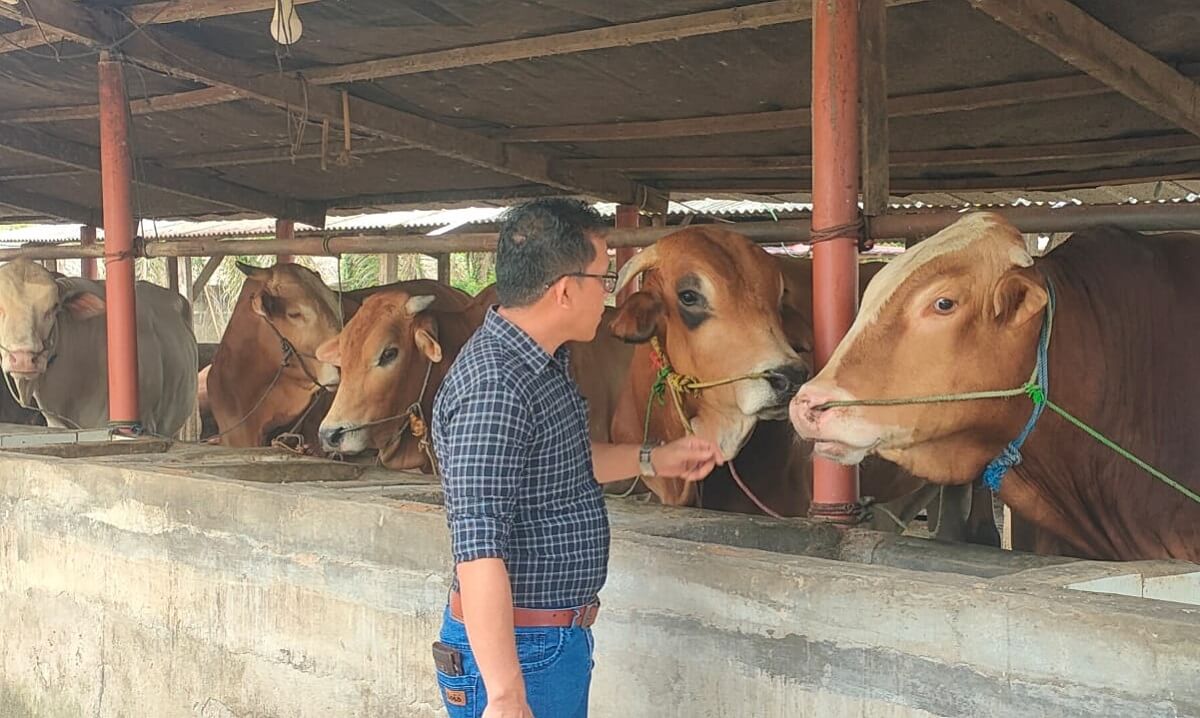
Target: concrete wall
x: 153, y: 586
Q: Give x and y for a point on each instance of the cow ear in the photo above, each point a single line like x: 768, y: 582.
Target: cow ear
x: 331, y: 351
x: 638, y: 318
x: 79, y: 299
x: 265, y: 304
x: 429, y: 346
x: 1018, y: 297
x: 426, y: 339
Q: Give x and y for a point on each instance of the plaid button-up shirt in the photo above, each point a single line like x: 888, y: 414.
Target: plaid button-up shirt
x: 511, y: 434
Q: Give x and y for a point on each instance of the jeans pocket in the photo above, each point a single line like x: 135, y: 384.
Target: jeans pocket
x: 461, y: 694
x: 538, y: 651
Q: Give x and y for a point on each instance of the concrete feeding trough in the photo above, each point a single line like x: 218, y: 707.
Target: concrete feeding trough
x: 178, y: 581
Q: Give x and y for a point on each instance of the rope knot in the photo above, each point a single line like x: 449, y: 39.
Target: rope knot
x: 416, y: 424
x: 993, y: 473
x: 1036, y: 393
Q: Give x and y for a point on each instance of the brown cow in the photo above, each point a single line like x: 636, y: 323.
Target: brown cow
x: 393, y: 355
x: 963, y: 311
x: 713, y: 300
x: 427, y: 334
x: 255, y: 389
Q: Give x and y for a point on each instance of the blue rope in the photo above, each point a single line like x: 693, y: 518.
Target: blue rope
x: 1037, y: 391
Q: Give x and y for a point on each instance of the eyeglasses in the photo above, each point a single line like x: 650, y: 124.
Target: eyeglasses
x: 609, y: 280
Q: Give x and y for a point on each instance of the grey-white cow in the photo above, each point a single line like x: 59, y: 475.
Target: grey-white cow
x: 54, y: 349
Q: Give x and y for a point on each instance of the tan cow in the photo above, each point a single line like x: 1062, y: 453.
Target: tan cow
x: 397, y: 349
x: 257, y: 387
x: 964, y: 311
x: 54, y: 349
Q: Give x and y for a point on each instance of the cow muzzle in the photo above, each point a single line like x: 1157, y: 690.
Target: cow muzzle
x: 840, y: 433
x: 342, y: 439
x: 25, y: 364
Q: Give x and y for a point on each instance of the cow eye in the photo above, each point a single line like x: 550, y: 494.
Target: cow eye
x: 944, y: 305
x: 689, y: 298
x: 294, y: 315
x: 388, y: 356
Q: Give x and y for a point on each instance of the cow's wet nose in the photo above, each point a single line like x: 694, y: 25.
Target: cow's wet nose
x: 23, y: 362
x: 332, y: 437
x: 787, y: 380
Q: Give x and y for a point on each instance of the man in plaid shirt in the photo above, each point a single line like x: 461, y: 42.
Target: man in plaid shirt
x: 529, y: 530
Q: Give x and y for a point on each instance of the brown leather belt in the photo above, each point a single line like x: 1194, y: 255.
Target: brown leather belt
x: 581, y: 617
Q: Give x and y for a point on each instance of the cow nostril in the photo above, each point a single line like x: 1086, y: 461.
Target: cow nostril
x: 333, y: 437
x: 788, y: 379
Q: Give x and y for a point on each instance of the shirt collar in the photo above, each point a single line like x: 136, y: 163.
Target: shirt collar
x: 523, y: 345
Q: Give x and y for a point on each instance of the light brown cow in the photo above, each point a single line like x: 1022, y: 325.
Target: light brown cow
x: 256, y: 387
x: 963, y: 311
x: 713, y: 301
x: 393, y: 355
x: 426, y: 331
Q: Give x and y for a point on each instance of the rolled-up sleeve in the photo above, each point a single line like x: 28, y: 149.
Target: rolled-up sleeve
x: 483, y: 446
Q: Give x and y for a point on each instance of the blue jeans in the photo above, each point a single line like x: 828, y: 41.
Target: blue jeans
x: 557, y: 664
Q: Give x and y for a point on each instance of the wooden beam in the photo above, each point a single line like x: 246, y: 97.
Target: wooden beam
x: 443, y: 267
x: 50, y: 206
x: 154, y: 13
x: 1048, y: 181
x: 184, y: 183
x: 920, y: 159
x: 930, y: 103
x: 1084, y: 42
x: 161, y: 103
x: 678, y: 27
x: 267, y: 155
x: 210, y: 268
x: 872, y: 39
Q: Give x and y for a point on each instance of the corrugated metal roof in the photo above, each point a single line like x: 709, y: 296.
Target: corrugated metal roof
x: 444, y: 221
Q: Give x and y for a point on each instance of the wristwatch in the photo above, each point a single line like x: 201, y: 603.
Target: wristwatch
x: 644, y: 463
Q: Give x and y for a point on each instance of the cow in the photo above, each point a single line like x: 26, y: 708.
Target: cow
x: 264, y: 376
x: 54, y: 349
x: 421, y: 334
x: 967, y: 310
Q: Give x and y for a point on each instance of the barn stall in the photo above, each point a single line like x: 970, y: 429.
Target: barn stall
x: 159, y: 578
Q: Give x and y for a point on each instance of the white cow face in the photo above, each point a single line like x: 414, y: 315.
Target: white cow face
x: 31, y: 301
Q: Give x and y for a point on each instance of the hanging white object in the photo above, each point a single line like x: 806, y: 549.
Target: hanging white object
x: 286, y: 27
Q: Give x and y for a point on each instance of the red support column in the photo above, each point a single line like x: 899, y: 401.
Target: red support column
x: 284, y: 229
x: 116, y: 179
x: 87, y: 265
x: 835, y: 153
x: 627, y: 218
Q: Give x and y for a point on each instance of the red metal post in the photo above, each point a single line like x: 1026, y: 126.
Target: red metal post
x: 835, y: 152
x: 116, y: 179
x: 627, y: 218
x: 284, y: 229
x: 87, y: 265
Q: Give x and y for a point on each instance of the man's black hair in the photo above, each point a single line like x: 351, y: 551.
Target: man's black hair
x: 540, y: 241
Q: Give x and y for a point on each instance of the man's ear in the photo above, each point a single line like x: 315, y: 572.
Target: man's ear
x: 1018, y: 298
x: 331, y: 351
x: 638, y: 318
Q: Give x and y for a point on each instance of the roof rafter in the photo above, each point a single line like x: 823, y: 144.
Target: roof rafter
x: 1084, y: 42
x: 51, y: 206
x: 191, y: 61
x: 184, y: 183
x: 155, y: 13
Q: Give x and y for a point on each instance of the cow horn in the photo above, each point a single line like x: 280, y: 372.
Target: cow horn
x: 643, y: 260
x: 416, y: 305
x: 254, y: 272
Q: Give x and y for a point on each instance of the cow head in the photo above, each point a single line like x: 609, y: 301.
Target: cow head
x: 713, y: 300
x: 297, y: 303
x: 956, y: 313
x: 386, y: 353
x: 32, y: 302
